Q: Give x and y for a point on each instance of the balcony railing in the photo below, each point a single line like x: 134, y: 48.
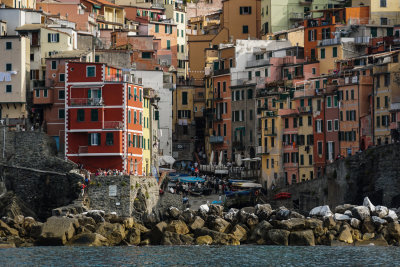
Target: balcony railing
x: 306, y: 2
x: 362, y: 40
x: 333, y: 41
x: 296, y: 16
x: 38, y: 83
x: 87, y: 101
x: 221, y: 72
x: 216, y: 139
x: 270, y: 131
x: 307, y: 109
x: 257, y: 63
x: 113, y: 125
x: 261, y: 150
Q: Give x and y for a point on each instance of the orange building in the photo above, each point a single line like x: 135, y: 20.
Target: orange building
x: 104, y: 116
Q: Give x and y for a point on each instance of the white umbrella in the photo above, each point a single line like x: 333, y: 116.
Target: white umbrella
x: 239, y: 159
x: 211, y: 158
x: 220, y: 159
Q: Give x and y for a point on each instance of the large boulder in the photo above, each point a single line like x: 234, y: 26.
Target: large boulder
x: 177, y: 226
x: 5, y: 230
x: 380, y: 211
x: 188, y: 216
x: 97, y: 215
x: 361, y: 212
x: 302, y: 238
x: 156, y: 232
x: 312, y: 223
x: 114, y: 232
x: 394, y: 230
x: 346, y: 235
x: 244, y: 214
x: 367, y: 203
x: 239, y: 233
x: 204, y: 240
x: 133, y: 236
x: 321, y: 211
x: 218, y: 224
x: 204, y: 208
x: 355, y: 223
x: 216, y: 210
x: 282, y: 214
x: 173, y: 213
x: 56, y: 231
x: 218, y: 238
x: 278, y: 237
x: 341, y: 217
x: 197, y: 223
x: 88, y: 240
x: 232, y: 215
x: 263, y: 211
x: 378, y: 221
x: 259, y: 233
x: 343, y: 208
x: 291, y: 224
x: 391, y: 217
x: 329, y: 222
x: 170, y: 238
x: 368, y: 226
x: 252, y: 220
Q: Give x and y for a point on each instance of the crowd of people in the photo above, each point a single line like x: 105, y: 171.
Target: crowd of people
x: 113, y: 172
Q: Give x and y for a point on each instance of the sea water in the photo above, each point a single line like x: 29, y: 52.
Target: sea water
x: 201, y: 256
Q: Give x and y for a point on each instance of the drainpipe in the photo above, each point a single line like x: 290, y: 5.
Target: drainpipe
x: 373, y: 110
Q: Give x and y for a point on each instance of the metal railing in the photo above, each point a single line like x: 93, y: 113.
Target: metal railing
x: 87, y: 102
x: 257, y: 63
x: 221, y: 72
x: 216, y: 139
x: 270, y: 131
x: 333, y: 41
x: 294, y: 15
x: 306, y: 109
x: 261, y: 150
x: 113, y: 125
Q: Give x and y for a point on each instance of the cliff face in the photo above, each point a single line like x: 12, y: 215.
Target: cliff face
x: 32, y: 171
x: 374, y: 173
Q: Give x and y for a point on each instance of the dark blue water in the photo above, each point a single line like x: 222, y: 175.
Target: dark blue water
x: 201, y: 256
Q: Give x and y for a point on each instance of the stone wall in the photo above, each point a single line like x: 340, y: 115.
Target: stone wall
x: 374, y: 173
x: 125, y: 195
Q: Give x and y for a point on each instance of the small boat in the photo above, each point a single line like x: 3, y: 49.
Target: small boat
x: 283, y: 195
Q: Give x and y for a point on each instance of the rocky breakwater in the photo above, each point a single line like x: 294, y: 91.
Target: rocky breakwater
x: 210, y: 225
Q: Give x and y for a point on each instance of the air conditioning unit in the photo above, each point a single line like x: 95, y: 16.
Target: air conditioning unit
x: 164, y: 62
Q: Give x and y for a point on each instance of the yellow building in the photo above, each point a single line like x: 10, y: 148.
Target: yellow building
x: 386, y: 73
x: 29, y: 4
x: 14, y: 79
x: 150, y: 131
x: 109, y: 15
x: 146, y: 154
x: 385, y: 12
x: 329, y: 51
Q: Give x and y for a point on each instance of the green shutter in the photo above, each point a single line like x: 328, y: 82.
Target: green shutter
x: 334, y: 52
x: 89, y: 93
x: 89, y: 139
x: 49, y: 37
x: 99, y: 94
x: 168, y: 44
x: 99, y: 138
x: 156, y: 115
x: 57, y: 37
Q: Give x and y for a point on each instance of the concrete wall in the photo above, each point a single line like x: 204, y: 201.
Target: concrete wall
x: 125, y: 195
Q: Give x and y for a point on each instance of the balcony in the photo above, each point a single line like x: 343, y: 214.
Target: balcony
x: 271, y: 131
x: 261, y: 150
x: 380, y: 69
x: 307, y: 109
x: 87, y: 102
x: 118, y: 125
x: 257, y: 63
x: 39, y: 83
x: 221, y: 72
x: 362, y: 40
x: 327, y: 42
x: 296, y: 16
x: 306, y: 2
x: 216, y: 139
x: 269, y: 113
x: 218, y: 117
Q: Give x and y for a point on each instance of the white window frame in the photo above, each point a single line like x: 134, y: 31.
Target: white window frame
x: 59, y: 77
x: 87, y: 68
x: 319, y: 126
x: 52, y: 64
x: 53, y: 37
x: 94, y: 140
x: 45, y: 93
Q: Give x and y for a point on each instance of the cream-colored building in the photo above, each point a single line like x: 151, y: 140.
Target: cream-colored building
x: 3, y: 28
x: 14, y: 76
x: 385, y: 12
x: 29, y: 4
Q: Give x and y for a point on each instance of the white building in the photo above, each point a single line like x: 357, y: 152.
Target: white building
x: 18, y: 17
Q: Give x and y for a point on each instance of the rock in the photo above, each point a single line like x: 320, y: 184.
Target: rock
x: 173, y: 213
x: 7, y: 245
x: 85, y: 220
x: 129, y: 223
x: 88, y: 240
x: 188, y: 216
x: 362, y: 243
x: 380, y: 211
x: 348, y: 213
x: 260, y: 231
x: 394, y: 230
x: 216, y: 210
x: 341, y: 217
x: 278, y: 237
x: 97, y: 215
x: 114, y: 232
x: 151, y: 219
x: 204, y: 240
x: 291, y: 224
x: 368, y: 236
x: 56, y: 231
x: 5, y: 230
x: 12, y: 205
x: 368, y: 226
x: 329, y: 222
x: 345, y: 235
x: 239, y: 233
x: 361, y: 212
x: 177, y: 226
x: 355, y: 223
x: 133, y: 236
x: 343, y: 208
x: 392, y: 216
x: 263, y: 211
x: 204, y: 208
x: 145, y: 242
x: 283, y: 214
x: 378, y: 221
x: 367, y: 203
x: 252, y: 220
x: 232, y: 215
x: 321, y: 211
x: 302, y: 238
x: 244, y: 213
x: 218, y: 238
x: 170, y: 238
x: 157, y: 232
x: 197, y: 223
x: 36, y: 230
x: 218, y: 224
x: 312, y: 223
x: 356, y: 235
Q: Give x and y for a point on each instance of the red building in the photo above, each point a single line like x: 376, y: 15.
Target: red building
x: 290, y: 145
x: 104, y: 116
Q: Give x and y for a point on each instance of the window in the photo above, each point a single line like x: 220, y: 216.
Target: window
x: 319, y: 126
x: 300, y: 121
x: 352, y: 94
x: 8, y: 67
x: 378, y: 102
x: 286, y: 123
x: 245, y: 29
x: 312, y: 37
x: 8, y: 88
x: 53, y: 65
x: 245, y: 10
x: 182, y: 51
x: 37, y: 93
x: 336, y: 125
x: 61, y: 94
x: 319, y: 147
x: 249, y: 75
x: 81, y: 115
x: 32, y: 57
x: 318, y: 105
x: 184, y: 98
x: 266, y: 73
x: 53, y: 37
x: 61, y: 113
x: 329, y: 102
x: 110, y: 139
x: 322, y: 52
x: 129, y: 116
x: 294, y: 122
x: 224, y: 86
x: 45, y: 93
x: 168, y: 45
x: 384, y: 21
x: 386, y: 101
x: 94, y: 115
x: 224, y: 129
x: 383, y: 3
x: 329, y: 125
x: 335, y: 101
x: 146, y: 54
x: 374, y: 31
x: 313, y: 70
x: 378, y: 121
x: 334, y: 52
x: 309, y: 121
x: 91, y: 71
x: 301, y: 159
x: 387, y: 79
x: 272, y: 163
x: 317, y: 84
x: 177, y: 17
x: 62, y: 77
x: 8, y: 45
x: 94, y: 139
x: 134, y: 117
x: 157, y: 28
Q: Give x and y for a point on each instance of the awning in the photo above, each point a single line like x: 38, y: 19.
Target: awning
x: 163, y: 160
